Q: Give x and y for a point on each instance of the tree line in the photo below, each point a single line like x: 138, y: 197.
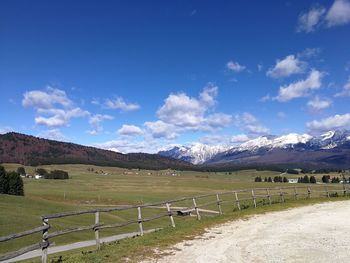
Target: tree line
x: 10, y: 182
x: 55, y: 174
x: 276, y: 179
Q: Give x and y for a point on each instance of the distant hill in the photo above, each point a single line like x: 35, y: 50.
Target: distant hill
x: 30, y: 150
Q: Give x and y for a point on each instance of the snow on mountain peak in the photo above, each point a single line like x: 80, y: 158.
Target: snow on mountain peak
x: 292, y: 138
x: 198, y: 153
x: 327, y: 135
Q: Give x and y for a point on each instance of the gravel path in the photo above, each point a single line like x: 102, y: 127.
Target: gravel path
x: 317, y: 233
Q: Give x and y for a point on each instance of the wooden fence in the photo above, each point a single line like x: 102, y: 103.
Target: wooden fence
x: 232, y: 200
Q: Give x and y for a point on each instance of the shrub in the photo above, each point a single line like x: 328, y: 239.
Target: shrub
x: 57, y: 174
x: 21, y: 170
x: 306, y: 179
x: 15, y: 184
x: 4, y: 182
x: 312, y: 179
x: 325, y: 179
x: 258, y: 179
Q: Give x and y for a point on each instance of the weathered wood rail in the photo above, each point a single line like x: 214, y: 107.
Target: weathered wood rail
x: 236, y: 198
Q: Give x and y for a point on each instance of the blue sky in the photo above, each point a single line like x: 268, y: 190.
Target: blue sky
x: 141, y: 75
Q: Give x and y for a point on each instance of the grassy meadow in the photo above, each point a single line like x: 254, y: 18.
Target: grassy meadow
x: 92, y: 186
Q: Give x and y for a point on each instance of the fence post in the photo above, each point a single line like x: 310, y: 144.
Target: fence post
x: 254, y: 200
x: 237, y: 201
x: 308, y: 192
x: 268, y: 195
x: 281, y: 195
x: 196, y: 209
x: 170, y: 215
x: 327, y: 192
x: 139, y: 220
x: 219, y: 203
x: 295, y: 193
x: 45, y: 242
x: 97, y: 234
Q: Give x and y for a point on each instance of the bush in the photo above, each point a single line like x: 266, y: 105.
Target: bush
x: 4, y: 182
x: 269, y: 180
x: 285, y: 180
x: 306, y: 179
x: 312, y: 179
x: 10, y: 183
x: 325, y: 179
x: 21, y: 171
x: 258, y: 179
x: 57, y: 174
x: 15, y: 184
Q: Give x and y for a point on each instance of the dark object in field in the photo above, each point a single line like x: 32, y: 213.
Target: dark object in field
x: 183, y: 212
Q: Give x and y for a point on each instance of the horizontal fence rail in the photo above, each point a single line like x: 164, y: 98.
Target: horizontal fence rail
x: 197, y: 206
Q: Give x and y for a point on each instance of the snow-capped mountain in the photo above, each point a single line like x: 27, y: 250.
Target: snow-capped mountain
x: 270, y: 141
x: 199, y: 153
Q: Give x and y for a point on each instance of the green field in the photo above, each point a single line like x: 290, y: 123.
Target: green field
x: 108, y: 186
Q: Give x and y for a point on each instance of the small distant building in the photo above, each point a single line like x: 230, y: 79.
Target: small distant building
x: 292, y: 181
x: 38, y: 176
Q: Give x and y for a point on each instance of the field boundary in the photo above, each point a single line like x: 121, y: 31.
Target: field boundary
x: 238, y: 200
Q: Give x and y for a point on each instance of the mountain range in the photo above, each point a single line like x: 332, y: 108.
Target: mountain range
x: 331, y: 149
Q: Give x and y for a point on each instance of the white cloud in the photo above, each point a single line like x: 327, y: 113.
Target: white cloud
x: 286, y: 67
x: 130, y: 130
x: 339, y: 13
x: 124, y: 146
x: 333, y: 122
x: 209, y: 94
x: 260, y: 67
x: 301, y: 88
x: 235, y: 66
x: 317, y: 104
x: 239, y: 138
x: 95, y: 122
x: 120, y: 104
x: 189, y: 113
x: 59, y: 117
x: 53, y: 134
x: 346, y: 90
x: 46, y: 99
x: 265, y: 98
x: 250, y: 124
x: 281, y: 115
x: 309, y: 53
x: 160, y: 129
x: 308, y: 21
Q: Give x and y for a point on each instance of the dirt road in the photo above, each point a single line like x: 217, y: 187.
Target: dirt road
x: 317, y: 233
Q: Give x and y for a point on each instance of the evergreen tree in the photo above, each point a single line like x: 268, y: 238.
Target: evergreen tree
x: 265, y: 180
x: 15, y: 184
x: 306, y: 179
x: 312, y: 179
x: 4, y: 182
x: 269, y: 180
x: 285, y: 180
